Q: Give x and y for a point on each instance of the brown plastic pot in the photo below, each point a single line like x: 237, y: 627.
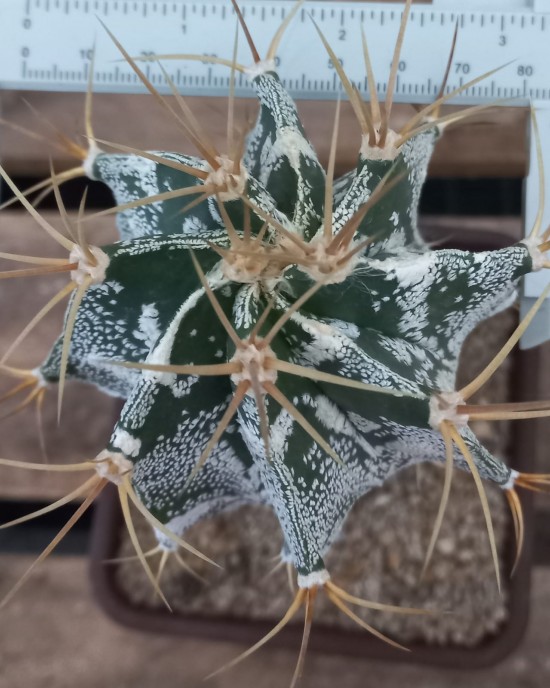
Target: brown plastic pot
x: 108, y: 525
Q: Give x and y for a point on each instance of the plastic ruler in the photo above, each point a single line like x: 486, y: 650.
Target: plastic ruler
x: 47, y: 45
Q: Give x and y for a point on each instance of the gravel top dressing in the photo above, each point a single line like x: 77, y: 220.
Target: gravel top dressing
x: 379, y: 554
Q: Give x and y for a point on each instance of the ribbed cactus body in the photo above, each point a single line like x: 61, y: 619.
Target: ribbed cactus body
x: 394, y: 315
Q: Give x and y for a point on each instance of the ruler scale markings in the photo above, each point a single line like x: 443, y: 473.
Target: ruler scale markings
x: 475, y: 24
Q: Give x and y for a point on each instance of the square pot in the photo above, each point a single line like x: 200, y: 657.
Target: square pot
x: 108, y: 583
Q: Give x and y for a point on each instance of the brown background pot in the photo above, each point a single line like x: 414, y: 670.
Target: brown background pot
x: 526, y: 443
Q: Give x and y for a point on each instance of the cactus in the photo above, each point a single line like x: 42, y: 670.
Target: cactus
x: 279, y: 336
